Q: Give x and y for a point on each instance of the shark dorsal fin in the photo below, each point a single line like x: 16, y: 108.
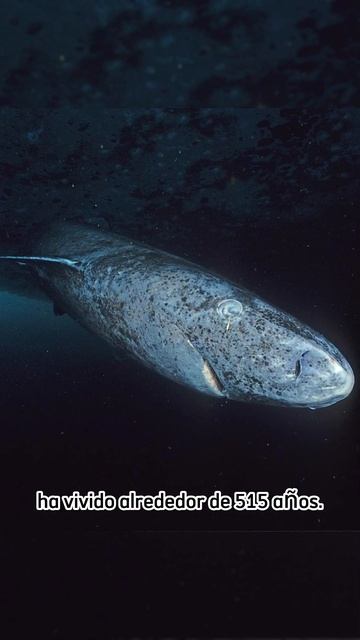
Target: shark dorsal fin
x: 24, y: 260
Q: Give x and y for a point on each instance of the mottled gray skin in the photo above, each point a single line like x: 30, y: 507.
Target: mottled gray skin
x: 188, y: 324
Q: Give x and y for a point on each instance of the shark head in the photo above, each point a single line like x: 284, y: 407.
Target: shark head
x: 257, y: 352
x: 240, y: 347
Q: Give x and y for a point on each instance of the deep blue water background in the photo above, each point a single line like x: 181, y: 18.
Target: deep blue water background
x: 76, y: 418
x: 279, y: 217
x: 226, y: 132
x: 284, y: 223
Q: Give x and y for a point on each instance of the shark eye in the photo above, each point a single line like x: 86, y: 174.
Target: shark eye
x: 229, y: 309
x: 299, y: 364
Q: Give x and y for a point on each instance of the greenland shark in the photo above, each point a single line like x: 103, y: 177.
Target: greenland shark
x: 187, y: 323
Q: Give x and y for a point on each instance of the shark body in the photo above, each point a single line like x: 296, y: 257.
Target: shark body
x: 185, y: 322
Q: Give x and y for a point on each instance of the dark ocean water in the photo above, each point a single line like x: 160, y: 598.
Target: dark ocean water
x: 227, y: 133
x: 277, y: 217
x: 74, y: 417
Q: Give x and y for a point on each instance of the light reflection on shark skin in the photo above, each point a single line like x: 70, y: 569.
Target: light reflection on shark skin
x: 186, y: 323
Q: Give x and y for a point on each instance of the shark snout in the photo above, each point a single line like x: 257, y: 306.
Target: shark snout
x: 335, y: 379
x: 344, y: 379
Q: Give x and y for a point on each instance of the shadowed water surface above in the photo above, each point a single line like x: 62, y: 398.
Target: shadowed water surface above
x: 155, y: 174
x: 225, y: 132
x: 166, y: 52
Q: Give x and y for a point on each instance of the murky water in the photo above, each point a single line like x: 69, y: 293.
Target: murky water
x: 226, y: 132
x: 76, y: 417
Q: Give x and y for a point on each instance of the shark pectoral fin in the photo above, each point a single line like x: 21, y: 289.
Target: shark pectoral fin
x: 26, y: 260
x: 182, y: 360
x: 212, y: 380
